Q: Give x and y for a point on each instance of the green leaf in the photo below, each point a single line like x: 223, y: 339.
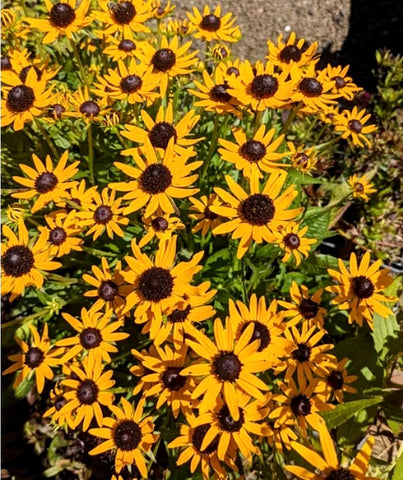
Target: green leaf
x: 386, y: 337
x: 344, y: 411
x: 398, y: 472
x: 317, y: 220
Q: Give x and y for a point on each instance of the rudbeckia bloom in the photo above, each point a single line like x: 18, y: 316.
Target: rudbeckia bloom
x: 118, y: 49
x: 156, y: 182
x: 352, y: 125
x: 303, y: 159
x: 334, y: 381
x: 160, y: 131
x: 160, y: 226
x: 23, y: 262
x: 291, y: 52
x: 342, y: 84
x: 206, y: 219
x: 96, y: 335
x: 62, y: 233
x: 58, y: 401
x: 291, y: 239
x: 230, y: 367
x: 255, y: 216
x: 65, y: 18
x: 328, y: 466
x: 87, y: 390
x: 85, y: 107
x: 159, y: 285
x: 211, y: 26
x: 257, y: 154
x: 128, y: 435
x: 360, y: 289
x: 123, y: 16
x: 169, y: 60
x: 36, y: 358
x: 22, y: 101
x: 50, y: 184
x: 361, y: 187
x: 77, y: 198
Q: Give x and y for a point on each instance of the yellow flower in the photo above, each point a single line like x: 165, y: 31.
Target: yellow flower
x: 160, y: 11
x: 220, y: 51
x: 291, y: 239
x: 211, y: 26
x: 361, y: 187
x: 50, y: 183
x: 118, y: 49
x: 303, y: 159
x: 342, y: 84
x: 206, y: 219
x: 352, y: 125
x: 334, y: 381
x: 160, y: 225
x: 85, y: 107
x: 61, y: 233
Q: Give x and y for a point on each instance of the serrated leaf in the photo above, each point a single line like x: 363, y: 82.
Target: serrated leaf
x: 386, y: 337
x: 344, y: 411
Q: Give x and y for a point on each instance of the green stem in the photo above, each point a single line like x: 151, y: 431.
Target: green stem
x: 325, y: 145
x: 45, y: 135
x: 212, y: 149
x: 28, y: 318
x: 91, y: 153
x: 258, y: 120
x: 80, y: 63
x: 291, y: 118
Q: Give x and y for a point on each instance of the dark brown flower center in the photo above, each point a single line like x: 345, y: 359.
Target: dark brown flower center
x: 260, y: 332
x: 24, y: 73
x: 219, y: 93
x: 227, y: 366
x: 45, y: 182
x: 292, y: 241
x: 209, y: 214
x: 198, y: 436
x: 362, y: 286
x: 290, y: 53
x: 163, y: 59
x: 233, y: 71
x: 161, y: 133
x: 127, y: 46
x: 355, y: 126
x: 56, y: 111
x: 87, y: 392
x: 60, y: 402
x: 227, y: 423
x: 130, y: 84
x: 302, y: 160
x: 155, y: 284
x: 156, y: 178
x: 34, y: 357
x: 302, y: 353
x: 127, y: 435
x: 264, y: 86
x: 340, y: 474
x: 308, y: 308
x: 301, y: 405
x: 359, y: 187
x: 103, y: 214
x: 258, y: 209
x: 108, y: 290
x: 252, y: 150
x: 57, y: 236
x: 90, y: 338
x: 20, y: 98
x: 122, y: 12
x: 310, y: 87
x: 159, y: 224
x: 172, y: 379
x: 6, y: 63
x: 89, y: 108
x: 339, y: 81
x: 179, y: 316
x: 211, y: 23
x: 17, y: 261
x: 335, y: 379
x: 61, y: 15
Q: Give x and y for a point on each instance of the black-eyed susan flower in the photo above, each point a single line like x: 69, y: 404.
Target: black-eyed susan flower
x: 78, y: 197
x: 23, y: 263
x: 175, y: 26
x: 257, y: 154
x: 120, y: 49
x: 62, y: 234
x: 64, y: 18
x: 206, y: 219
x: 360, y: 289
x: 36, y: 358
x: 334, y: 381
x: 342, y: 84
x: 235, y: 433
x: 303, y: 159
x: 48, y: 183
x: 87, y: 391
x: 158, y: 285
x: 169, y: 60
x: 96, y: 335
x: 303, y: 306
x: 261, y: 87
x: 160, y: 131
x: 255, y: 216
x: 161, y: 226
x: 281, y: 436
x: 328, y: 467
x: 104, y: 213
x: 352, y: 124
x: 292, y: 51
x: 227, y: 366
x: 190, y: 440
x: 84, y: 106
x: 58, y: 109
x: 123, y: 16
x: 22, y: 101
x: 157, y: 182
x: 361, y: 187
x: 212, y: 26
x: 161, y: 10
x: 164, y: 380
x: 129, y: 435
x: 134, y: 83
x: 58, y: 401
x: 110, y: 287
x: 220, y: 51
x: 291, y: 238
x: 230, y: 69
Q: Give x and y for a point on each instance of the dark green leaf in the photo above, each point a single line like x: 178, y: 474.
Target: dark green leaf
x: 386, y: 337
x: 345, y: 411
